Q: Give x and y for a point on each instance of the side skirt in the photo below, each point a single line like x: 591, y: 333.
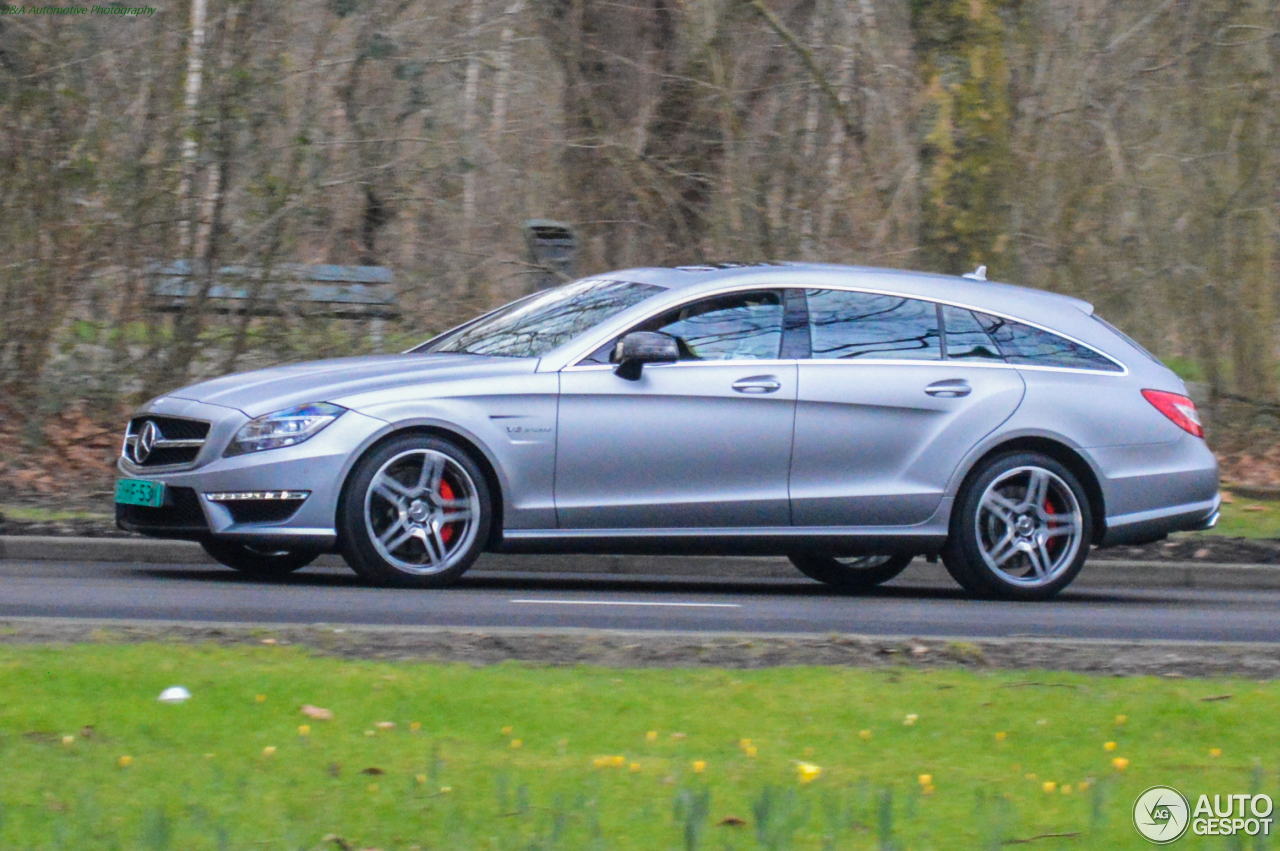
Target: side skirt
x: 838, y: 541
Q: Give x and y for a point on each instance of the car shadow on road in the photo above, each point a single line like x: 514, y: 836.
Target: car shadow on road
x: 330, y: 577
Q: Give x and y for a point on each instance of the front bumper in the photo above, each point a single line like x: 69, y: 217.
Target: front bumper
x: 318, y: 466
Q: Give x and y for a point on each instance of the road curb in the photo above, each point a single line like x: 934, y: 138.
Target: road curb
x: 654, y: 649
x: 1098, y: 573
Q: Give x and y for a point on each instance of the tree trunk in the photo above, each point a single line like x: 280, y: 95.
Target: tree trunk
x: 965, y: 152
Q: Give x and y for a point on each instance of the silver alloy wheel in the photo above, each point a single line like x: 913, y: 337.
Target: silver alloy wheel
x: 1029, y: 526
x: 421, y: 511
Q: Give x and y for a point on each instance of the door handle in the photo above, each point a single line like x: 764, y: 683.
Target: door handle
x: 949, y: 388
x: 758, y: 384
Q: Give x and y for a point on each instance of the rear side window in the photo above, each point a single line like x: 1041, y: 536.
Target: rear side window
x: 866, y: 326
x: 1027, y: 346
x: 966, y: 338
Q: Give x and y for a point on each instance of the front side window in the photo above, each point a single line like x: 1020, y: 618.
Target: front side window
x: 531, y: 327
x: 866, y: 326
x: 1028, y: 346
x: 739, y: 326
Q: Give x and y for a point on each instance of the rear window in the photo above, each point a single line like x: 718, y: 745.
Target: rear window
x: 1026, y: 345
x: 1123, y: 336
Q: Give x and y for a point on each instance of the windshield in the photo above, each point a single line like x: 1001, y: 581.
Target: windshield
x: 533, y: 326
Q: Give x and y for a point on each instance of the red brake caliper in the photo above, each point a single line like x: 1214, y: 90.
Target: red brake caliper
x: 1048, y: 509
x: 446, y: 492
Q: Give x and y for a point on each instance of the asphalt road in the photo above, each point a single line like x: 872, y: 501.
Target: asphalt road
x: 334, y: 596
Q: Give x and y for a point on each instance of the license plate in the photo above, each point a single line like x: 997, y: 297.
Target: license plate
x: 140, y: 492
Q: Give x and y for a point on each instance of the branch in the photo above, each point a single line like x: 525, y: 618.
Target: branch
x: 806, y: 56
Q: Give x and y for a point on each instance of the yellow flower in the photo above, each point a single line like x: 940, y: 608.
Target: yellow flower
x: 1001, y: 736
x: 600, y: 762
x: 1120, y: 763
x: 744, y: 743
x: 421, y: 778
x: 269, y: 750
x: 68, y: 740
x: 910, y: 719
x: 652, y: 735
x: 260, y: 698
x: 124, y: 761
x: 1109, y: 746
x: 1082, y: 785
x: 808, y: 772
x: 415, y: 726
x: 925, y: 779
x: 927, y: 790
x: 1049, y: 786
x: 1121, y: 720
x: 618, y: 761
x: 1066, y: 788
x: 445, y: 790
x: 1215, y: 752
x: 635, y: 766
x: 751, y: 751
x: 516, y: 744
x: 865, y: 735
x: 699, y: 766
x: 304, y: 730
x: 507, y: 731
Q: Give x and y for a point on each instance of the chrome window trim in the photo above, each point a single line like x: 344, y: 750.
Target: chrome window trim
x: 576, y: 360
x: 764, y: 362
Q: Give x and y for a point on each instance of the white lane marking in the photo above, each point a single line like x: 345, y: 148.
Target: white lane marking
x: 630, y: 603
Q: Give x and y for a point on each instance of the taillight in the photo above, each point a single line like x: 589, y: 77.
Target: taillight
x: 1180, y: 409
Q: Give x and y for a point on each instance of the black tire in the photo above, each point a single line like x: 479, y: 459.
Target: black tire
x: 1045, y: 542
x: 398, y: 533
x: 263, y: 562
x: 851, y: 575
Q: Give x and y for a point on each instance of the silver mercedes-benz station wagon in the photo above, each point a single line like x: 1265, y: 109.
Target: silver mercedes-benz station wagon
x: 848, y: 418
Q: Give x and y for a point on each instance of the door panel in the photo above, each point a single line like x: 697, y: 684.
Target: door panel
x: 690, y: 444
x: 876, y: 443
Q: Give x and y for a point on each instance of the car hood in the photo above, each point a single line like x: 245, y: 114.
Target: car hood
x: 267, y: 390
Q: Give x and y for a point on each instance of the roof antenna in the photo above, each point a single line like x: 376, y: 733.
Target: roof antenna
x: 979, y: 274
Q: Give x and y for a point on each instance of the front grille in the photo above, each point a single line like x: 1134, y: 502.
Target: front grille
x: 173, y: 440
x: 262, y: 510
x: 180, y: 513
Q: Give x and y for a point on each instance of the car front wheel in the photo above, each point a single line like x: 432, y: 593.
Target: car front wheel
x: 1020, y: 530
x: 851, y: 575
x: 415, y: 513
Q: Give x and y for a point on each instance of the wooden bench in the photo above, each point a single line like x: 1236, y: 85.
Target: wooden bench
x: 342, y: 292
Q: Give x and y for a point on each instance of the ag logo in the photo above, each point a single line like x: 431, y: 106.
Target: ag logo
x: 1161, y: 814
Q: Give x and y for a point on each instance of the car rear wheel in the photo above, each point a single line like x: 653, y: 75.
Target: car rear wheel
x: 415, y: 513
x: 264, y: 562
x: 851, y: 575
x: 1020, y: 530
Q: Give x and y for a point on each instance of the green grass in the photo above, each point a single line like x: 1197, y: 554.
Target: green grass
x: 1236, y: 522
x: 199, y: 779
x: 44, y: 514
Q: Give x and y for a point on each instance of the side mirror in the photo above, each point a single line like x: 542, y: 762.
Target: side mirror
x: 641, y: 347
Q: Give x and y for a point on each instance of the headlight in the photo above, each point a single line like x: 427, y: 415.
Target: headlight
x: 283, y: 428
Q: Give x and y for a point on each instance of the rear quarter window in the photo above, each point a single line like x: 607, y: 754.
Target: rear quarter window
x: 1027, y: 345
